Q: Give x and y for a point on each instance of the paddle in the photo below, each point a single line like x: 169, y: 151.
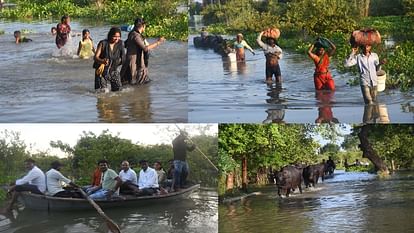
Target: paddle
x: 205, y: 156
x: 113, y: 227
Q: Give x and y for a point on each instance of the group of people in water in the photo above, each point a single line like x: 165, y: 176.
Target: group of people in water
x: 106, y: 183
x: 367, y: 61
x: 110, y: 54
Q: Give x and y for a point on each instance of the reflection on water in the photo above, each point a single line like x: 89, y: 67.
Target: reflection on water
x: 325, y: 102
x: 236, y: 92
x: 349, y: 202
x: 197, y: 214
x: 376, y: 113
x: 43, y: 84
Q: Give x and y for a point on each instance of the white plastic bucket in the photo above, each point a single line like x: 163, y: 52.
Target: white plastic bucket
x: 382, y: 76
x: 232, y: 57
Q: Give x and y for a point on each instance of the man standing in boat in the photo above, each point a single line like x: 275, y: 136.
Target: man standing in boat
x: 148, y: 180
x: 181, y: 169
x: 54, y: 181
x: 110, y: 183
x: 129, y: 178
x: 34, y: 181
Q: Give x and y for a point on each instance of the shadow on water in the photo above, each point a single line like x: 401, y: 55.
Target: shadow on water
x: 236, y: 92
x: 349, y: 202
x: 198, y: 214
x: 43, y: 84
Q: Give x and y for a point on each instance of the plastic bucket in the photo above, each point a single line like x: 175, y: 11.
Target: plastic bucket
x: 382, y: 76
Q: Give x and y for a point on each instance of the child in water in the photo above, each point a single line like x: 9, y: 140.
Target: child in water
x: 53, y: 31
x: 86, y: 49
x: 19, y: 38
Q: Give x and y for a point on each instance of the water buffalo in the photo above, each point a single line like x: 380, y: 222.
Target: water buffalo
x: 312, y: 173
x: 287, y: 179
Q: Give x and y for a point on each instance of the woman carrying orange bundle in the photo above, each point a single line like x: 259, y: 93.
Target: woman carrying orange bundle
x: 322, y: 77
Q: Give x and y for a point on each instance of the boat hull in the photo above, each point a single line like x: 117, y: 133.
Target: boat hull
x: 47, y: 203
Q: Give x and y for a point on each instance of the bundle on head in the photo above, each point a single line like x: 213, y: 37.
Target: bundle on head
x: 272, y: 33
x: 366, y: 36
x: 321, y: 43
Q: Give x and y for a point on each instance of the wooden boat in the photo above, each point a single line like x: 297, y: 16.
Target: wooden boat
x: 48, y: 203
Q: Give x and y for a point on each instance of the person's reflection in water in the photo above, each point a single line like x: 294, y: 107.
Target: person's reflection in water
x: 241, y: 67
x: 140, y: 102
x: 133, y: 105
x: 276, y: 111
x: 108, y: 108
x: 325, y: 114
x: 375, y: 113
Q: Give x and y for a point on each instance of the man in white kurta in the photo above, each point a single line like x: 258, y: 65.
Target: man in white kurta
x: 148, y: 180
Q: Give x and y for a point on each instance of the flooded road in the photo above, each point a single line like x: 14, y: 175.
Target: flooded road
x: 40, y: 85
x: 349, y: 202
x: 236, y: 92
x: 197, y: 214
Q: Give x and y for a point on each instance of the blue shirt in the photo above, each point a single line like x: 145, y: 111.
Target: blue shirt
x: 367, y: 66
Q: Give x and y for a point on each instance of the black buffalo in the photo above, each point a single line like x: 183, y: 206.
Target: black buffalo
x: 312, y: 173
x: 287, y: 179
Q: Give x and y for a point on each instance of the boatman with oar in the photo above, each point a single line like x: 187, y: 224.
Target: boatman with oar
x: 34, y: 181
x: 181, y: 169
x: 110, y: 183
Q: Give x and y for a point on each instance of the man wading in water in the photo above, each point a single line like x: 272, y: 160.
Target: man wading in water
x: 135, y: 68
x: 273, y: 54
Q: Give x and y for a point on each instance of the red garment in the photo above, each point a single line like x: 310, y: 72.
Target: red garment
x: 96, y: 180
x: 62, y: 34
x: 322, y: 77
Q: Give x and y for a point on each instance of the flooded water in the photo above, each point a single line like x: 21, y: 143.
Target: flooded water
x: 236, y: 92
x: 40, y: 85
x: 197, y: 214
x: 349, y: 202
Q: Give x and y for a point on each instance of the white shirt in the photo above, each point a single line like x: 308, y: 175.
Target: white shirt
x: 129, y: 175
x: 34, y: 177
x: 367, y: 66
x: 53, y: 181
x: 148, y: 179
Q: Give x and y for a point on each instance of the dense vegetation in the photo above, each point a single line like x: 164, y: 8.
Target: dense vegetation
x: 82, y: 158
x: 260, y: 149
x: 162, y: 16
x: 301, y: 21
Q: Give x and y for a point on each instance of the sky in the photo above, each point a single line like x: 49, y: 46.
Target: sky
x: 38, y: 136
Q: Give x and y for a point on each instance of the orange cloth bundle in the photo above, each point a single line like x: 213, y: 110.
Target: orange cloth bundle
x: 365, y: 37
x: 272, y: 33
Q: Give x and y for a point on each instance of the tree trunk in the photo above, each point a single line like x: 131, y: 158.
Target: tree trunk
x: 366, y: 7
x: 392, y: 165
x: 230, y: 181
x: 369, y: 152
x: 244, y: 174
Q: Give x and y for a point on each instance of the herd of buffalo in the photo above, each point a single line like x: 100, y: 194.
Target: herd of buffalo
x: 290, y: 177
x: 217, y: 43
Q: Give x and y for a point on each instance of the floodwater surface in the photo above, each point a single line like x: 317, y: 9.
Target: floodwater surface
x: 196, y: 214
x: 349, y: 202
x: 42, y: 84
x: 226, y: 92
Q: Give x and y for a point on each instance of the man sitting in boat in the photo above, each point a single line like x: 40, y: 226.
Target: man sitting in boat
x: 110, y: 183
x: 148, y: 180
x: 96, y: 181
x: 54, y: 181
x: 129, y: 179
x: 34, y: 181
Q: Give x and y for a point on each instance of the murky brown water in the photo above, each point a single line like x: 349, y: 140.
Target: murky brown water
x: 222, y: 91
x: 38, y: 85
x: 350, y: 202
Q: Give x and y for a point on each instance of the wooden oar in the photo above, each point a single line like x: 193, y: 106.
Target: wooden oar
x: 109, y: 222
